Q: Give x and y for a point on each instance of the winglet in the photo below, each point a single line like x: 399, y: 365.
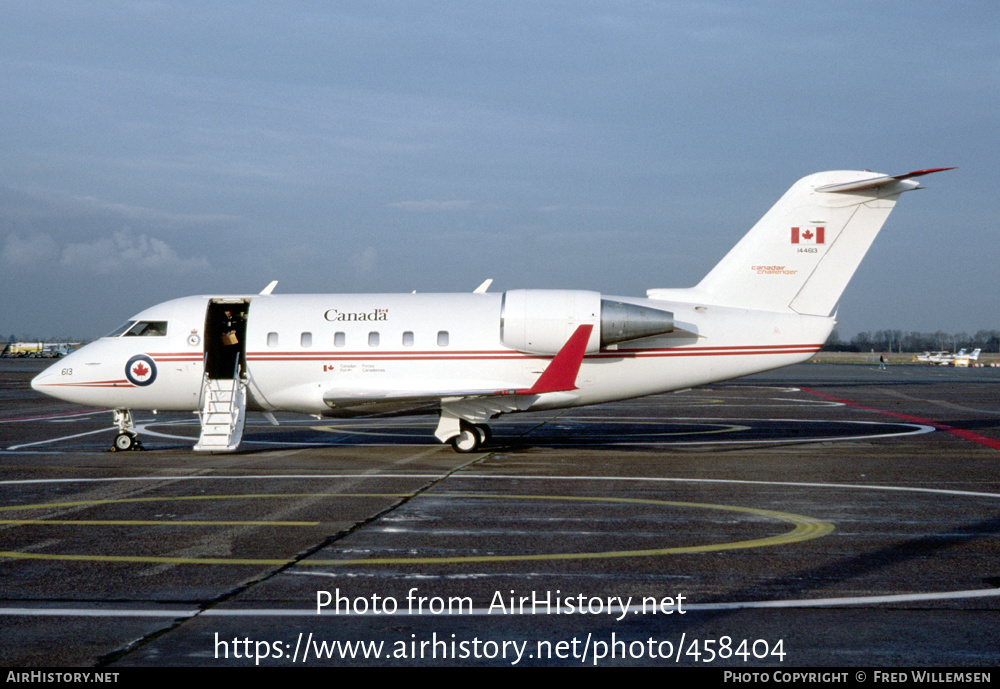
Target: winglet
x: 270, y: 287
x: 560, y: 374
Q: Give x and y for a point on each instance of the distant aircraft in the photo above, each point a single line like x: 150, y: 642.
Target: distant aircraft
x: 939, y: 357
x: 944, y: 358
x: 471, y: 357
x: 45, y: 350
x: 963, y: 359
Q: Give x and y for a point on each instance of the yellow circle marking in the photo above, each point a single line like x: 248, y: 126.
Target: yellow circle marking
x: 804, y: 528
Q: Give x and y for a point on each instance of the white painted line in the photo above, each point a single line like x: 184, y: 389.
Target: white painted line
x: 65, y: 437
x: 634, y: 609
x: 507, y: 477
x: 68, y: 416
x: 851, y: 600
x: 94, y: 612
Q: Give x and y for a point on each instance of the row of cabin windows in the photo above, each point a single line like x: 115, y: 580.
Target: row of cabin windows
x: 374, y: 338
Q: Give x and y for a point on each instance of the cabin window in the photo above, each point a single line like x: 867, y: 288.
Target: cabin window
x: 373, y: 339
x: 339, y: 339
x: 272, y: 339
x: 408, y: 339
x: 147, y: 329
x: 306, y: 340
x: 442, y: 338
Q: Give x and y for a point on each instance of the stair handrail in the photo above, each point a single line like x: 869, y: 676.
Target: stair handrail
x: 234, y: 409
x: 204, y: 382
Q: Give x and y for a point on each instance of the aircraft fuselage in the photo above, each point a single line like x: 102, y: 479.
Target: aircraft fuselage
x: 300, y: 349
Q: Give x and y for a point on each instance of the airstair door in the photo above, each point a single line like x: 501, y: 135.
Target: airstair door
x: 224, y: 384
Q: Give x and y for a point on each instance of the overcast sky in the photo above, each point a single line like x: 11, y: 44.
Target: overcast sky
x: 151, y: 150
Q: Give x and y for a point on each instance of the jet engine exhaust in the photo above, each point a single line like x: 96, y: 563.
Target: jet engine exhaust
x: 621, y: 322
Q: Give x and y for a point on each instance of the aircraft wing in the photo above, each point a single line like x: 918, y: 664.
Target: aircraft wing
x: 473, y: 401
x: 369, y: 402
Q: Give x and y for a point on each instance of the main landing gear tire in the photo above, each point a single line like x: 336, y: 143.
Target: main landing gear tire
x: 471, y: 438
x: 484, y: 432
x: 125, y: 442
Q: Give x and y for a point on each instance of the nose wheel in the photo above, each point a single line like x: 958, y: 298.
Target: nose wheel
x: 127, y: 439
x: 125, y: 442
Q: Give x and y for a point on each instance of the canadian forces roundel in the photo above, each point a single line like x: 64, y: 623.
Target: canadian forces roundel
x: 140, y: 370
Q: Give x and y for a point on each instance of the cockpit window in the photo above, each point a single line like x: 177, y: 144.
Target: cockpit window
x: 147, y: 329
x: 120, y: 330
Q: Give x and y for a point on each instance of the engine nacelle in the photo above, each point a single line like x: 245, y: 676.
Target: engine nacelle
x: 539, y: 321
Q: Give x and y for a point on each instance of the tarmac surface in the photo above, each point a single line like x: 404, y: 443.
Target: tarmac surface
x: 819, y: 515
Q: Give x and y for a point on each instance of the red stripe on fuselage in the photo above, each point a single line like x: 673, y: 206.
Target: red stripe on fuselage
x: 92, y: 384
x: 500, y: 355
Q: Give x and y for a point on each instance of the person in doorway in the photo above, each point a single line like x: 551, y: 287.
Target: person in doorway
x: 229, y: 330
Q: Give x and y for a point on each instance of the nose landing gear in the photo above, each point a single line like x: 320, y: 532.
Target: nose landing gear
x: 127, y: 439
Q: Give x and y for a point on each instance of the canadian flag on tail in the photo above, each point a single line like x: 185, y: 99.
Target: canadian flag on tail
x: 807, y: 235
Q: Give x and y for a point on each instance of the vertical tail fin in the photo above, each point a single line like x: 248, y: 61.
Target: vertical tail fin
x: 800, y: 256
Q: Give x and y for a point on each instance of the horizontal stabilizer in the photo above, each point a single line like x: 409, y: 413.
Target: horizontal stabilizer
x: 880, y: 181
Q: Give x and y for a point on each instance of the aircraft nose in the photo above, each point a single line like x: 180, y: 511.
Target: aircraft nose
x: 51, y: 381
x: 47, y: 375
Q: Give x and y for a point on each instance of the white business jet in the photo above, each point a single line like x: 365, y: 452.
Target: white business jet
x: 945, y: 358
x: 471, y: 357
x: 939, y: 357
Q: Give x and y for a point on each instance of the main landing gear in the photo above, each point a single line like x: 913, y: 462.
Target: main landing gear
x: 127, y: 439
x: 471, y: 437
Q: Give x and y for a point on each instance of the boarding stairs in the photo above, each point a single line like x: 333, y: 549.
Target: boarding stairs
x: 223, y: 413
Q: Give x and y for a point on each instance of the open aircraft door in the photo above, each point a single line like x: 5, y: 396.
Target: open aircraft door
x: 224, y: 386
x: 225, y: 338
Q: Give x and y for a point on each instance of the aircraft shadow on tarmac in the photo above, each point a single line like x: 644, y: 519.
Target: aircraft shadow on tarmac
x: 591, y: 434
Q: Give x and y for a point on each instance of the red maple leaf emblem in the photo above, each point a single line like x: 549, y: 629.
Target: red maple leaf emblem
x: 807, y: 234
x: 140, y: 370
